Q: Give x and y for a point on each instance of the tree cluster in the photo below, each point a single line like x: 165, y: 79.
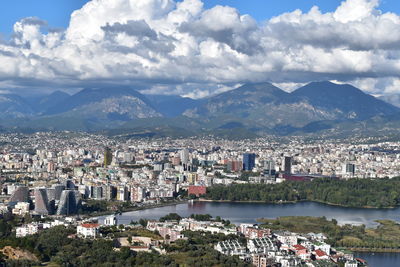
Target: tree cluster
x: 377, y: 193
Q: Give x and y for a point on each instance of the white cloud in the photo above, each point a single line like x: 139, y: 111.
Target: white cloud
x: 179, y: 46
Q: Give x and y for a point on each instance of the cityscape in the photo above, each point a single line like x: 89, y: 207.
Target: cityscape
x: 200, y: 133
x: 83, y: 181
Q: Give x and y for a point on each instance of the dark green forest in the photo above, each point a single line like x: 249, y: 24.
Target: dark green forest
x: 366, y: 193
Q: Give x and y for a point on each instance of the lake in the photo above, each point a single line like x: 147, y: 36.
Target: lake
x: 249, y: 212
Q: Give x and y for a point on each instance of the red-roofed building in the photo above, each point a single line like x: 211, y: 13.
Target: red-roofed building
x: 88, y: 230
x: 197, y: 190
x: 320, y: 255
x: 299, y: 248
x: 301, y: 251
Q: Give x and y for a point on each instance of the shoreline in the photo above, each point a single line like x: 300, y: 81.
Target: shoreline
x: 158, y: 205
x: 291, y: 202
x: 375, y: 250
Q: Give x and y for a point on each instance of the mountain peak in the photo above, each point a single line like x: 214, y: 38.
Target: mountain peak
x: 258, y: 90
x: 353, y: 102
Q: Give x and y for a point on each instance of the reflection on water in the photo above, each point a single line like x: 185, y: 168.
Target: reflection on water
x: 249, y: 212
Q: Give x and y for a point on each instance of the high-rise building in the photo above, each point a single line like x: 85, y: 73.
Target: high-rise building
x: 97, y: 192
x: 51, y: 194
x: 69, y: 184
x: 184, y: 155
x: 20, y: 194
x: 51, y: 167
x: 349, y: 169
x: 249, y: 161
x: 138, y: 193
x: 58, y: 188
x: 41, y: 202
x: 109, y: 192
x: 84, y: 190
x: 234, y: 166
x: 287, y: 165
x: 122, y: 193
x: 107, y: 156
x: 269, y: 168
x: 68, y: 203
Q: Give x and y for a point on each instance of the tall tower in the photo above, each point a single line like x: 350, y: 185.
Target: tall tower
x: 249, y: 161
x: 287, y: 165
x: 184, y: 155
x: 269, y: 168
x: 68, y: 203
x: 41, y: 202
x: 20, y: 194
x: 107, y: 156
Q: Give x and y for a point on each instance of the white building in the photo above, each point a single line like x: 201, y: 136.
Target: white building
x: 88, y: 230
x: 231, y: 248
x: 352, y: 263
x: 111, y: 220
x: 287, y: 238
x: 21, y: 208
x: 261, y: 245
x: 28, y: 229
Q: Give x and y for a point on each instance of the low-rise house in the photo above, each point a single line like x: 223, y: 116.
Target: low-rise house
x: 28, y: 229
x: 111, y: 220
x: 322, y: 246
x: 261, y: 245
x: 286, y: 238
x: 300, y: 251
x: 231, y: 248
x: 252, y: 231
x: 170, y: 230
x: 352, y: 263
x: 21, y: 208
x: 260, y: 260
x: 88, y: 230
x: 320, y: 255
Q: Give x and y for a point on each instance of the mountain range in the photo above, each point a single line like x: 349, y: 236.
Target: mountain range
x: 250, y: 110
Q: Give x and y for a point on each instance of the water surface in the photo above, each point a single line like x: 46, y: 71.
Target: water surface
x: 250, y: 212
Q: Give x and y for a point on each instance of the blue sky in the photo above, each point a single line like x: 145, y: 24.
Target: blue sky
x: 57, y: 12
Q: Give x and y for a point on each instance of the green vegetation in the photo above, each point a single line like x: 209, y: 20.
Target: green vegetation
x: 58, y: 246
x: 385, y: 236
x: 121, y: 231
x: 201, y: 217
x: 95, y: 207
x: 102, y: 207
x: 171, y: 217
x: 197, y: 250
x: 368, y: 193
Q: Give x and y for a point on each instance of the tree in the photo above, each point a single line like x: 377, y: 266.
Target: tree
x: 143, y: 222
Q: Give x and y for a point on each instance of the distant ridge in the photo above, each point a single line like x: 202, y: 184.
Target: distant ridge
x: 250, y: 110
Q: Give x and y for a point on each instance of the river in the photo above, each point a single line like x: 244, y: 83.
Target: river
x: 249, y: 212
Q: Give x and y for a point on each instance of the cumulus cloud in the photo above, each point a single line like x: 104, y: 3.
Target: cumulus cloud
x: 180, y: 47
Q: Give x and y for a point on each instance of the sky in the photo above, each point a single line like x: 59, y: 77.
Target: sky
x: 197, y: 48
